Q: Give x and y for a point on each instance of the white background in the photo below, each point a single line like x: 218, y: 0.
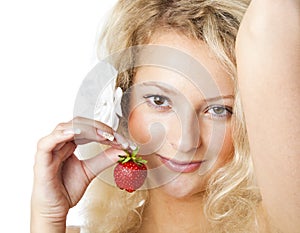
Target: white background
x: 46, y: 49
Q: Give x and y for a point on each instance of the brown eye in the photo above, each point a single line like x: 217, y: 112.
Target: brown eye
x: 158, y: 100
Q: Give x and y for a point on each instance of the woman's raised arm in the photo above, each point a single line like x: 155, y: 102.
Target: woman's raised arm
x: 268, y: 62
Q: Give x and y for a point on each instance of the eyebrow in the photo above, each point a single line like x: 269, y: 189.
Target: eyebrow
x: 167, y: 90
x: 219, y: 97
x: 154, y: 84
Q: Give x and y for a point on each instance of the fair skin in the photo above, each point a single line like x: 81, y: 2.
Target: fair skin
x: 270, y: 89
x: 180, y: 199
x: 268, y: 75
x: 62, y: 179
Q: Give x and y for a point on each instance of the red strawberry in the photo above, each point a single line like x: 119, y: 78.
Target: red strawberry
x: 130, y: 172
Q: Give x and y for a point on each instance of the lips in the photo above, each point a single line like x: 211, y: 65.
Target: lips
x: 178, y: 166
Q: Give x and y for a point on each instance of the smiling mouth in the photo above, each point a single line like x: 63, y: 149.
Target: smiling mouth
x: 180, y: 166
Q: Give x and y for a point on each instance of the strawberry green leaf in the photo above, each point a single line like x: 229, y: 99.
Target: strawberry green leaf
x: 134, y: 153
x: 126, y: 160
x: 142, y: 161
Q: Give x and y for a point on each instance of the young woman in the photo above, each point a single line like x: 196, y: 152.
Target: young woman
x: 222, y: 157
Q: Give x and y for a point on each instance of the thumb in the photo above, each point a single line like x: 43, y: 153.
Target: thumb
x: 102, y: 161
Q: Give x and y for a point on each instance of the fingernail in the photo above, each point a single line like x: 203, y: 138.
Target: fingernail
x: 72, y: 131
x: 121, y: 140
x: 106, y: 135
x: 132, y: 145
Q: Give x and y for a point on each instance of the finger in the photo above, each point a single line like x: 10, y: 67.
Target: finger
x: 95, y: 131
x: 67, y: 131
x: 65, y: 152
x: 88, y: 131
x: 99, y: 132
x: 96, y: 124
x: 102, y: 161
x: 48, y: 144
x: 102, y: 131
x: 80, y: 122
x: 59, y: 146
x: 107, y: 135
x: 55, y: 139
x: 89, y: 134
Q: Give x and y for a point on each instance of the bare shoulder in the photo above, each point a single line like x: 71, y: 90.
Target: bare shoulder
x: 72, y: 229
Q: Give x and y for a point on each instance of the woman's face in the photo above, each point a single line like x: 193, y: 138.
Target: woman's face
x: 182, y: 127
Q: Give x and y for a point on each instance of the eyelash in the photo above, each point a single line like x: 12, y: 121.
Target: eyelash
x: 226, y: 109
x: 151, y: 99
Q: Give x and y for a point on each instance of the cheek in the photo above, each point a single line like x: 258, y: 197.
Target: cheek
x: 147, y: 129
x: 226, y: 150
x: 216, y: 136
x: 217, y: 144
x: 138, y: 126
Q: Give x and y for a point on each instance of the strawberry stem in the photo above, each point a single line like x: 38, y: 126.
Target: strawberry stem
x: 132, y: 157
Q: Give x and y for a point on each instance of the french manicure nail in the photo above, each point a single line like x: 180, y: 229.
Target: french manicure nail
x: 121, y: 140
x: 106, y: 135
x: 125, y: 145
x: 132, y: 146
x: 72, y: 131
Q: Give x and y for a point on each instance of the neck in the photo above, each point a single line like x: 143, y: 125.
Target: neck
x: 165, y: 214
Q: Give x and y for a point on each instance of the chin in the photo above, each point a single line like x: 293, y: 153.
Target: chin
x: 184, y: 186
x: 174, y: 184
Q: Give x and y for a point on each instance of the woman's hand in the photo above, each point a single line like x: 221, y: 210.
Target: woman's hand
x: 60, y: 178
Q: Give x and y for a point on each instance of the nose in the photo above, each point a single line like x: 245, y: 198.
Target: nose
x: 188, y: 138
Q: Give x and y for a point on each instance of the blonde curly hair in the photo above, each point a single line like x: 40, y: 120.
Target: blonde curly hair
x: 232, y: 197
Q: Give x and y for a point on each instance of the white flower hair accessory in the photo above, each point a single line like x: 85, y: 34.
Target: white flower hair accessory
x: 98, y: 98
x: 108, y: 107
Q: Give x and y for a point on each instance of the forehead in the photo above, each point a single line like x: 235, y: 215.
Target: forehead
x: 188, y: 65
x: 161, y: 81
